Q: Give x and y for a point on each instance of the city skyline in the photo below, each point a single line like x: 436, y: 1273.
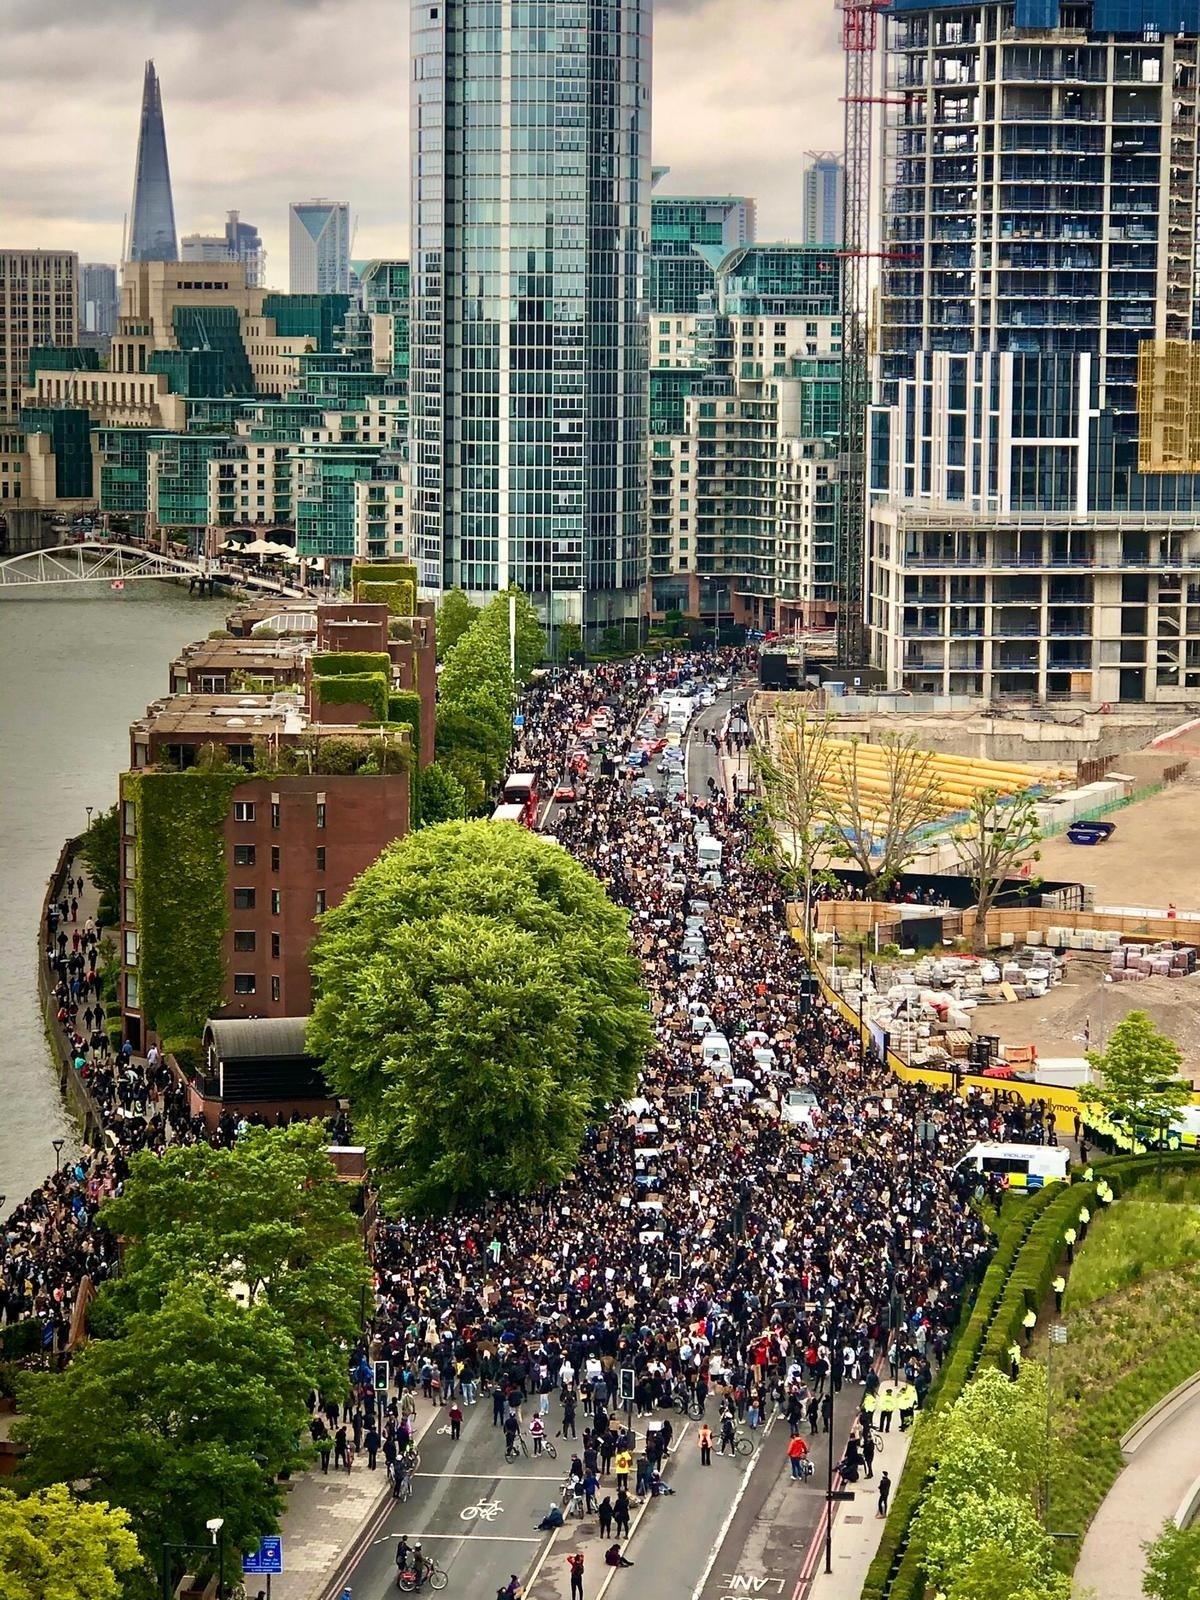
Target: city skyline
x: 727, y: 119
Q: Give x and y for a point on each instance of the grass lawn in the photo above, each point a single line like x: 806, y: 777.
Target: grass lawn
x: 1132, y: 1310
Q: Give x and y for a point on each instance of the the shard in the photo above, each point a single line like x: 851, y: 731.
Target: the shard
x: 152, y: 234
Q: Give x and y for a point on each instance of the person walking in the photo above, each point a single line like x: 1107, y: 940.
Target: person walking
x: 372, y: 1440
x: 621, y: 1515
x: 705, y: 1445
x: 885, y: 1490
x: 604, y: 1513
x: 575, y: 1565
x: 797, y: 1450
x: 456, y: 1419
x: 868, y: 1451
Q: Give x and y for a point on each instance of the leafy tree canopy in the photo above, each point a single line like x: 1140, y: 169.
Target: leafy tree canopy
x: 101, y: 849
x: 454, y: 616
x: 266, y: 1218
x: 52, y: 1545
x: 1173, y: 1564
x: 443, y: 796
x: 479, y: 1005
x: 1141, y: 1087
x: 197, y: 1407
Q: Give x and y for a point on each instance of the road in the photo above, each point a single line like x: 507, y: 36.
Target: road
x: 740, y: 1526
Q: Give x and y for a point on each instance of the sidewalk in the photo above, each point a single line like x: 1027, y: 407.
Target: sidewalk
x: 1162, y: 1467
x: 856, y: 1529
x: 324, y: 1515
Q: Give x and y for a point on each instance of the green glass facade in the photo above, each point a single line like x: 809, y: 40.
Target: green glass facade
x: 71, y: 440
x: 62, y: 358
x: 689, y: 237
x: 325, y: 498
x: 124, y: 471
x: 191, y: 372
x: 181, y: 499
x: 781, y: 280
x: 316, y: 316
x: 669, y: 388
x: 216, y: 328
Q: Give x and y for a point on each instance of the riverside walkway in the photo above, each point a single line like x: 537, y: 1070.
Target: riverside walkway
x: 1161, y: 1475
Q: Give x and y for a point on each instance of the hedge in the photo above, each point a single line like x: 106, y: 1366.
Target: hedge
x: 404, y: 706
x: 399, y: 598
x: 368, y: 689
x: 1018, y: 1279
x: 336, y: 663
x: 182, y: 904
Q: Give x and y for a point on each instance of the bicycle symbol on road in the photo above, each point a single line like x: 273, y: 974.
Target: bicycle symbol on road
x: 485, y: 1510
x: 445, y: 1428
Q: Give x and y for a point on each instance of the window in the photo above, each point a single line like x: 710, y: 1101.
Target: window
x: 320, y: 912
x: 243, y: 983
x: 243, y: 941
x: 274, y: 858
x: 131, y: 947
x: 131, y: 990
x: 276, y: 947
x: 243, y: 899
x: 320, y: 811
x: 243, y: 810
x: 274, y: 813
x: 320, y: 858
x: 243, y: 855
x: 128, y: 818
x: 275, y: 988
x: 276, y: 902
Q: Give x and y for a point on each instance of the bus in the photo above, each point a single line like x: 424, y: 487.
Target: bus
x: 504, y: 813
x: 1021, y: 1166
x: 521, y: 790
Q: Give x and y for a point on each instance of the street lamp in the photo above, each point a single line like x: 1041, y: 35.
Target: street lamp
x: 57, y: 1145
x: 89, y: 810
x: 216, y: 1527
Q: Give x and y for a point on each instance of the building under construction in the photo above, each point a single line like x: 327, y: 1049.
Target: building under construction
x: 1032, y: 528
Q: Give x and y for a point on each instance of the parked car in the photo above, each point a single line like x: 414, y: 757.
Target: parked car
x: 801, y: 1108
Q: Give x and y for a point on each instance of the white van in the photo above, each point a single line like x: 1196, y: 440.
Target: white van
x: 714, y: 1050
x: 1021, y: 1166
x: 709, y: 851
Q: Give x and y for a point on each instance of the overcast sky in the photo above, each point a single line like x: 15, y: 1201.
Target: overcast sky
x: 269, y: 101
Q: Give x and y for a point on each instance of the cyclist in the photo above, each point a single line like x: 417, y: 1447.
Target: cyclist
x: 512, y: 1428
x: 537, y: 1432
x: 422, y: 1567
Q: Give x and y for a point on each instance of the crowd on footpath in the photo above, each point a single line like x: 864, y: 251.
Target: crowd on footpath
x: 52, y: 1241
x: 736, y: 1262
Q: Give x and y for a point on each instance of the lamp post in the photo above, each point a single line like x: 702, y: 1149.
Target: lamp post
x: 89, y: 810
x: 1058, y: 1335
x: 829, y: 1488
x: 57, y: 1145
x: 216, y: 1527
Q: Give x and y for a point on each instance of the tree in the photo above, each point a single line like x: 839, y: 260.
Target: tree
x: 443, y: 797
x: 1001, y: 831
x: 266, y: 1218
x: 883, y: 811
x: 1141, y: 1090
x: 531, y: 638
x: 54, y: 1547
x: 101, y: 849
x: 199, y: 1405
x: 479, y: 1005
x: 1173, y: 1564
x: 454, y: 616
x: 570, y: 641
x: 994, y: 1572
x: 796, y: 777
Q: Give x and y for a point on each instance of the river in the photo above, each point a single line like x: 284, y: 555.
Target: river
x: 74, y: 673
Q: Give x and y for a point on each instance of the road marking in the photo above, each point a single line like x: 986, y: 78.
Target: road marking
x: 485, y: 1510
x: 495, y: 1477
x: 468, y: 1538
x: 729, y: 1515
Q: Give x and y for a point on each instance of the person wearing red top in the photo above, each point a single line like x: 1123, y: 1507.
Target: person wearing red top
x: 575, y: 1564
x: 797, y: 1450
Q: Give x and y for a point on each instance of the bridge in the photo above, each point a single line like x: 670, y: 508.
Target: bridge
x: 95, y: 561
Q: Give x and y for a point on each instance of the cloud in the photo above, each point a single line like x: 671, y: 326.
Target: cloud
x: 269, y: 101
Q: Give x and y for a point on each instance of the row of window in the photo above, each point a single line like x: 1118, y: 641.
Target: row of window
x: 247, y: 811
x: 246, y: 900
x: 246, y: 983
x: 246, y: 855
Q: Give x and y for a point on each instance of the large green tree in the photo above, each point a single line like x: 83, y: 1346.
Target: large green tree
x: 190, y: 1414
x: 1173, y: 1564
x: 454, y: 616
x: 1140, y: 1087
x: 100, y: 848
x: 55, y: 1547
x: 479, y: 1004
x: 266, y: 1218
x: 443, y: 796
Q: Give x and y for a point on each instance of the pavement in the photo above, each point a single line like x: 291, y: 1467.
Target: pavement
x: 1162, y: 1458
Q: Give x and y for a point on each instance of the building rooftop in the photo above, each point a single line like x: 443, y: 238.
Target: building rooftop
x: 243, y: 655
x: 256, y: 715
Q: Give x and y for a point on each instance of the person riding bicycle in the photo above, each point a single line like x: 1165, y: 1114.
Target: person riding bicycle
x: 422, y: 1567
x: 537, y: 1432
x: 512, y: 1429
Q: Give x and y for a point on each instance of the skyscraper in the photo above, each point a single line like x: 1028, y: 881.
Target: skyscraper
x: 152, y: 215
x: 319, y: 247
x: 99, y: 299
x: 824, y: 192
x: 1033, y: 461
x: 689, y: 237
x: 239, y: 242
x: 39, y: 308
x: 531, y: 216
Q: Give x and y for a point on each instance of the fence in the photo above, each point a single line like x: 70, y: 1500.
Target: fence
x: 75, y: 1091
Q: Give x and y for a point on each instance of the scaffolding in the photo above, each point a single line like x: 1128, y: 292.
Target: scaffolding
x: 1169, y: 406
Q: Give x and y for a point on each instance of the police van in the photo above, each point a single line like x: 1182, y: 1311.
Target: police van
x: 1019, y: 1166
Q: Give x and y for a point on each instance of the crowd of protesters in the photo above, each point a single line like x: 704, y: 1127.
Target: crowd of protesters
x: 703, y: 1240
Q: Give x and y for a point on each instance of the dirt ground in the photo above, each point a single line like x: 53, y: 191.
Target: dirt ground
x: 1084, y: 1007
x: 1152, y: 860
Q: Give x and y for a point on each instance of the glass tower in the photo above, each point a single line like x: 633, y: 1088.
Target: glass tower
x: 531, y: 213
x: 152, y: 220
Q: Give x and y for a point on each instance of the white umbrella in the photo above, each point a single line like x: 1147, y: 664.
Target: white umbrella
x: 259, y: 547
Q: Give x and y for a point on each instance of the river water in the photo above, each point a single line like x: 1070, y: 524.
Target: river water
x: 74, y: 673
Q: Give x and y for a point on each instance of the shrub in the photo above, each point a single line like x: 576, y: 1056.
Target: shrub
x: 368, y: 689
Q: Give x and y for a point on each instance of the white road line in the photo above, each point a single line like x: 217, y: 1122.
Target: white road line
x: 498, y: 1477
x: 637, y: 1521
x: 467, y: 1538
x: 729, y: 1515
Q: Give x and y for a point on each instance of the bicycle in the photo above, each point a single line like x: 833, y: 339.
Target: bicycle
x: 516, y: 1447
x: 743, y: 1442
x: 434, y: 1576
x: 687, y: 1406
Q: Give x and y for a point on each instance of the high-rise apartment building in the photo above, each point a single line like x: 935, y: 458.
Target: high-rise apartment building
x: 39, y: 308
x: 319, y: 247
x: 531, y: 217
x: 690, y: 235
x: 152, y: 215
x: 824, y: 195
x: 1033, y: 526
x: 99, y: 299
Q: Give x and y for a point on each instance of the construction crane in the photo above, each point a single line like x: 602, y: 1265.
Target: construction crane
x: 860, y: 41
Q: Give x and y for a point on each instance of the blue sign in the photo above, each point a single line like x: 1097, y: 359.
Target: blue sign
x: 518, y: 722
x: 268, y: 1558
